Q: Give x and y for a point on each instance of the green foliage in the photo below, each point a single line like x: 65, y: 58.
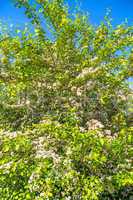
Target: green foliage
x: 58, y: 161
x: 65, y: 107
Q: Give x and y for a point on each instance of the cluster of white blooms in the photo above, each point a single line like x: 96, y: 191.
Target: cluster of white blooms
x: 94, y: 124
x: 6, y: 165
x: 9, y: 134
x: 80, y: 91
x: 107, y: 132
x: 38, y: 143
x: 41, y: 152
x: 86, y: 71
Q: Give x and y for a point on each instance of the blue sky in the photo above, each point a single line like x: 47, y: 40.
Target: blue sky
x: 121, y: 9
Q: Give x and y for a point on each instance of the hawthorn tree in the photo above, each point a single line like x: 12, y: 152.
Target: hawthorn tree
x: 64, y: 91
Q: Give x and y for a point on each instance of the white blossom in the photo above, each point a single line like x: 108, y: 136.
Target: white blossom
x: 41, y: 152
x: 79, y: 91
x: 94, y: 124
x: 10, y: 134
x: 87, y: 71
x: 107, y: 132
x: 6, y: 165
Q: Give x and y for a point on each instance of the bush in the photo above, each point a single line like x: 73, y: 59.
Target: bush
x: 66, y: 107
x: 58, y: 161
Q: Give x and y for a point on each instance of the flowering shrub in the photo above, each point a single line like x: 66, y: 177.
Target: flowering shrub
x: 58, y: 161
x: 65, y: 107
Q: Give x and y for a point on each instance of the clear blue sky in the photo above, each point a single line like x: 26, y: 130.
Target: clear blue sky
x: 121, y: 9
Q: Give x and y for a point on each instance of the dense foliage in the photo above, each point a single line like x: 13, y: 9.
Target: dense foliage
x: 65, y: 107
